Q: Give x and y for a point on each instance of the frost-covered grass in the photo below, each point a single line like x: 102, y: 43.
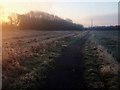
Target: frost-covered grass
x: 28, y: 58
x: 101, y: 69
x: 110, y: 40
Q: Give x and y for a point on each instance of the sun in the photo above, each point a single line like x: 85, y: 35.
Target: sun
x: 3, y: 15
x: 5, y: 10
x: 4, y: 18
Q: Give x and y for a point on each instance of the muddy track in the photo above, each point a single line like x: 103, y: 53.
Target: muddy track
x: 69, y: 69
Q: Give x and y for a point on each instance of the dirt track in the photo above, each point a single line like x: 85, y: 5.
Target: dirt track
x: 69, y: 69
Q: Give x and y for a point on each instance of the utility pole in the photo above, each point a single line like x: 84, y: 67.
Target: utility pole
x: 91, y: 24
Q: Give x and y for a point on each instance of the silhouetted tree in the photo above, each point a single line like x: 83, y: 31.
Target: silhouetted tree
x: 42, y: 21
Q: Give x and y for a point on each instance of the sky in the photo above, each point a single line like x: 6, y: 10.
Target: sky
x: 102, y: 13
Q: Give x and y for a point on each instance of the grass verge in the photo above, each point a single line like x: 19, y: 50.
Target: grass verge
x: 101, y: 70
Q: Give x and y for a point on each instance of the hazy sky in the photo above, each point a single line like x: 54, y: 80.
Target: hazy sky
x: 103, y: 13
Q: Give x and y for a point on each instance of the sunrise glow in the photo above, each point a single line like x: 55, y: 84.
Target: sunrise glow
x: 61, y: 44
x: 103, y: 13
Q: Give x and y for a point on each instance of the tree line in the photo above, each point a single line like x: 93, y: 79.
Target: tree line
x: 104, y: 28
x: 39, y: 21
